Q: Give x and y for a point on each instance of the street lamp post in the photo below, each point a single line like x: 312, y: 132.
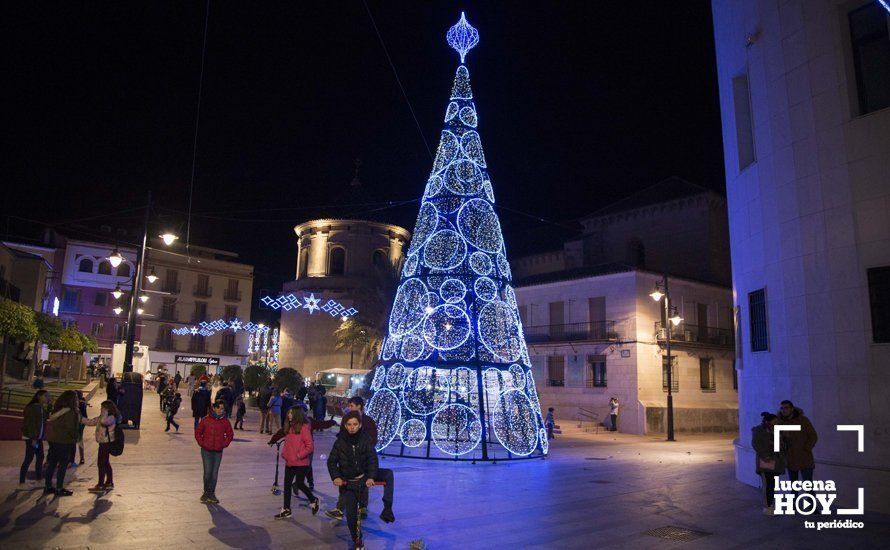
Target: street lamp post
x: 671, y: 317
x: 136, y: 295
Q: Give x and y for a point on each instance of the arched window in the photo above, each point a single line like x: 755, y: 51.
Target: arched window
x: 380, y: 260
x: 104, y: 267
x: 123, y: 270
x: 337, y: 262
x: 636, y: 253
x: 85, y: 266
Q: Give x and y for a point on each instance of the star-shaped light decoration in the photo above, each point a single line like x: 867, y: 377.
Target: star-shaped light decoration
x: 194, y: 331
x: 235, y: 324
x: 311, y: 303
x: 462, y: 37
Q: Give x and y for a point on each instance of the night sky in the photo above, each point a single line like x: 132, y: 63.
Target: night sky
x: 580, y: 104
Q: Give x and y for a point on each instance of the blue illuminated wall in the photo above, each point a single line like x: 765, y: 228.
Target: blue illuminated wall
x: 454, y: 374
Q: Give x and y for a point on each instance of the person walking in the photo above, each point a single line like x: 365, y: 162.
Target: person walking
x: 105, y: 424
x: 297, y: 452
x: 799, y: 454
x: 176, y: 380
x: 62, y: 437
x: 213, y: 434
x: 34, y: 432
x: 613, y: 414
x: 172, y: 409
x: 274, y: 411
x: 200, y: 403
x: 769, y: 464
x: 352, y: 464
x: 162, y: 389
x: 385, y: 475
x: 265, y: 394
x: 190, y: 385
x: 240, y: 411
x: 321, y: 405
x: 550, y: 423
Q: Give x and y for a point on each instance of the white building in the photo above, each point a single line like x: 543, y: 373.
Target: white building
x: 205, y: 285
x: 336, y: 260
x: 597, y: 336
x: 804, y: 96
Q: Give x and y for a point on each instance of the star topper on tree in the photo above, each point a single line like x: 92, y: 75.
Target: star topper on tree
x: 454, y: 376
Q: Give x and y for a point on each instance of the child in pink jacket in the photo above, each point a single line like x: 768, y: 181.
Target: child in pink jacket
x: 296, y: 452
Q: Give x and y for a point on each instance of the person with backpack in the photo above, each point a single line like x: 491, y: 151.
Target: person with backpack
x: 200, y: 403
x: 106, y: 430
x: 34, y: 432
x: 62, y: 437
x: 352, y: 464
x: 297, y: 453
x: 213, y: 434
x: 227, y: 396
x: 172, y: 409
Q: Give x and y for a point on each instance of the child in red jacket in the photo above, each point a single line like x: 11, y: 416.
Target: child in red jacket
x: 213, y: 434
x: 297, y: 455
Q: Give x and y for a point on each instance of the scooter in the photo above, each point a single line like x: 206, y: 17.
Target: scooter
x: 275, y: 489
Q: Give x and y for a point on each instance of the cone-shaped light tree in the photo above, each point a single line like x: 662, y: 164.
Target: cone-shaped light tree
x: 454, y: 377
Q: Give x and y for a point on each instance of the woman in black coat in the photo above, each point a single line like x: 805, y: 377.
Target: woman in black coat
x: 352, y: 464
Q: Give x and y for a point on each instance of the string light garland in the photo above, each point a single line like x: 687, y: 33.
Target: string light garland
x: 454, y: 369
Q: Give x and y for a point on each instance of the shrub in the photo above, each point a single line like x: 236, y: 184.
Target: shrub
x: 230, y: 372
x: 255, y: 377
x: 198, y: 370
x: 287, y: 378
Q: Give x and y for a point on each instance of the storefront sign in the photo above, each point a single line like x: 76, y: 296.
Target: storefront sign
x: 197, y: 360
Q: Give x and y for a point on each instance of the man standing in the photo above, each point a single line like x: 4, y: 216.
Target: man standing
x: 800, y: 444
x: 613, y: 413
x: 111, y: 390
x: 200, y: 403
x: 385, y: 475
x: 176, y: 380
x: 263, y: 402
x: 213, y: 434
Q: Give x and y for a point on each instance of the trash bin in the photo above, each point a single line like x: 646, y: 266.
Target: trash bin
x: 130, y: 401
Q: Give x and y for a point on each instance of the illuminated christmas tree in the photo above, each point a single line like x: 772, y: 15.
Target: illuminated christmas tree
x: 454, y: 375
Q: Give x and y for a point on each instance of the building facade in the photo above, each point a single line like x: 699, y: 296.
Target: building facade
x: 336, y: 260
x: 805, y: 102
x: 203, y: 285
x: 593, y: 331
x: 594, y: 337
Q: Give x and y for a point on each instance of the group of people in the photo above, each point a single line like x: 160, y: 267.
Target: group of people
x: 795, y: 455
x: 274, y: 405
x: 61, y: 424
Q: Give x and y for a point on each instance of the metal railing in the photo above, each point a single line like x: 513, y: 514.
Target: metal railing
x: 197, y: 347
x: 597, y: 331
x: 10, y: 291
x: 232, y: 295
x: 697, y: 334
x: 594, y: 383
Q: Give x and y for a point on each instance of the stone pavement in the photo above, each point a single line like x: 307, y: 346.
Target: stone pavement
x: 595, y: 491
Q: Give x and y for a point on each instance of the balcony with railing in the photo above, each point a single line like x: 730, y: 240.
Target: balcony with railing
x: 597, y: 331
x: 227, y: 348
x: 202, y: 291
x: 171, y: 287
x: 697, y: 335
x: 165, y: 343
x: 232, y: 295
x: 10, y: 291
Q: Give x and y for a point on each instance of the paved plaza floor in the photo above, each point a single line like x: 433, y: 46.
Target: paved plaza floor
x: 594, y: 491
